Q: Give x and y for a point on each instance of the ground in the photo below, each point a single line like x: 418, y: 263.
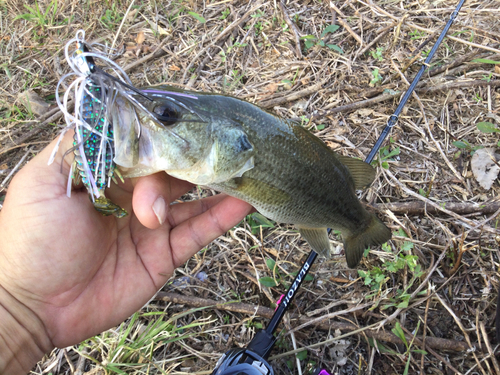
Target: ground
x: 340, y: 68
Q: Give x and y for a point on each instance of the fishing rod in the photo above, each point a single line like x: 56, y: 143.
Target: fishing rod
x: 252, y: 360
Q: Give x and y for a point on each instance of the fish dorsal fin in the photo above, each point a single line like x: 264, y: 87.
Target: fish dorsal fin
x: 362, y: 173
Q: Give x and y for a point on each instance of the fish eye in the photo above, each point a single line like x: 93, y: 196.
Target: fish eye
x: 166, y: 114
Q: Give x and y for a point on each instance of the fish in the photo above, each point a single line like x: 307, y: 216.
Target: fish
x: 232, y: 146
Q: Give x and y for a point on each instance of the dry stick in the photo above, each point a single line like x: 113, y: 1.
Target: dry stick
x: 436, y: 144
x: 292, y: 27
x: 427, y: 201
x: 380, y: 35
x: 460, y: 325
x: 345, y: 24
x: 384, y: 97
x: 265, y: 312
x: 488, y: 347
x: 158, y: 52
x: 424, y: 331
x: 419, y: 207
x: 227, y: 30
x: 456, y: 62
x: 293, y: 96
x: 460, y: 84
x: 475, y: 45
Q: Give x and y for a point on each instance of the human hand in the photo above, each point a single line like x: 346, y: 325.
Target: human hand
x: 71, y: 273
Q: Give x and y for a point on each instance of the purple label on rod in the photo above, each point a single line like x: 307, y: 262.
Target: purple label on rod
x: 173, y: 93
x: 323, y: 372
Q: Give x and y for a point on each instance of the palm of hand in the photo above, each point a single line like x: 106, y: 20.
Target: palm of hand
x: 82, y: 273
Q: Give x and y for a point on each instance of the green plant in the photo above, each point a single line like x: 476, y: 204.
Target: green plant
x: 377, y: 77
x: 35, y: 14
x: 416, y: 34
x: 198, y: 17
x: 376, y: 277
x: 111, y: 17
x: 138, y: 339
x: 290, y: 83
x: 278, y: 278
x: 258, y: 221
x: 464, y: 144
x: 406, y: 356
x: 384, y: 155
x: 483, y: 127
x: 225, y: 13
x: 311, y: 41
x: 377, y: 54
x: 234, y: 78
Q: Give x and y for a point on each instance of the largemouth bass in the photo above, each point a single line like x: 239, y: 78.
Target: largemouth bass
x: 235, y: 147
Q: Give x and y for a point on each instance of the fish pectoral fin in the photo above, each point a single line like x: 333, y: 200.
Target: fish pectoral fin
x: 258, y: 190
x: 362, y: 173
x: 318, y: 239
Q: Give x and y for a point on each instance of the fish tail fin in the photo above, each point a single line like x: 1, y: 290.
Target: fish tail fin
x: 376, y: 233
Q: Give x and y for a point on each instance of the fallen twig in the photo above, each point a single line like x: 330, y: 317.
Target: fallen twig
x: 292, y: 27
x: 293, y: 96
x: 418, y: 207
x: 265, y: 312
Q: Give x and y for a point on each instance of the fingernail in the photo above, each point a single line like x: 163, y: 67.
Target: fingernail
x: 160, y: 209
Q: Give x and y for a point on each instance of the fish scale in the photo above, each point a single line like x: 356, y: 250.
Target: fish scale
x: 276, y: 165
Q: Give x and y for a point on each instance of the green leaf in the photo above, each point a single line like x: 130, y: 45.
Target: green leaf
x: 394, y: 152
x: 308, y: 37
x: 385, y: 165
x: 302, y: 355
x: 487, y: 127
x: 335, y: 48
x: 407, y: 367
x: 460, y: 144
x: 485, y: 61
x: 403, y: 305
x: 401, y: 233
x: 268, y: 281
x: 407, y: 246
x: 320, y: 127
x: 270, y: 263
x: 330, y: 29
x: 398, y: 331
x: 382, y: 348
x: 419, y: 351
x: 309, y: 277
x: 198, y: 17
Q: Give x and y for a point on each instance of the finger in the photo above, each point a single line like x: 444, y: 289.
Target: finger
x: 152, y: 195
x: 195, y: 233
x: 181, y: 212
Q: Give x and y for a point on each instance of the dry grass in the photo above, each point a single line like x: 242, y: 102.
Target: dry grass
x: 259, y: 59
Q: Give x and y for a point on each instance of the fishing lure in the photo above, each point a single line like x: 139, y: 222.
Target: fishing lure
x: 93, y: 147
x: 96, y: 147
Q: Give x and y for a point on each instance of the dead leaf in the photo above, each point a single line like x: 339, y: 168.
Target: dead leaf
x: 174, y: 68
x: 140, y: 38
x: 33, y: 102
x: 132, y: 14
x: 497, y: 69
x: 271, y: 88
x: 484, y: 167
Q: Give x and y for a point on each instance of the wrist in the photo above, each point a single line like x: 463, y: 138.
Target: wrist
x: 23, y: 339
